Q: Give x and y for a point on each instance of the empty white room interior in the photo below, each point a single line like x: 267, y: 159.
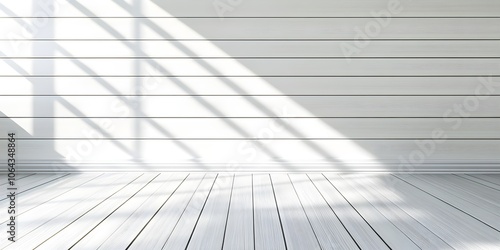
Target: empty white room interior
x: 250, y: 124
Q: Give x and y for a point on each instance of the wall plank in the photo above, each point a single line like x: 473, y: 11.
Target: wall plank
x: 275, y: 8
x: 236, y: 155
x: 251, y: 67
x: 232, y: 49
x: 257, y: 106
x: 249, y: 128
x: 248, y: 28
x: 250, y: 85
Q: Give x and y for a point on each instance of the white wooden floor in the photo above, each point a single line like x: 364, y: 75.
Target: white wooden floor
x: 255, y: 211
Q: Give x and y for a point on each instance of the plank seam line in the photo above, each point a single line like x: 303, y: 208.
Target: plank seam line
x: 184, y: 210
x: 449, y: 204
x: 160, y: 95
x: 228, y: 209
x: 404, y: 211
x: 69, y: 190
x: 41, y: 184
x: 242, y: 76
x: 278, y: 211
x: 256, y: 139
x: 376, y: 209
x: 247, y: 117
x: 201, y: 211
x: 246, y: 57
x: 247, y: 17
x: 483, y: 185
x: 17, y: 178
x: 86, y: 211
x: 483, y: 179
x: 253, y: 212
x: 342, y: 223
x: 157, y: 211
x: 254, y: 39
x: 331, y: 183
x: 111, y: 211
x: 304, y: 211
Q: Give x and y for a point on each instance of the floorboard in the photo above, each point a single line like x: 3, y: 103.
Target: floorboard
x: 32, y: 198
x: 458, y: 229
x: 470, y: 204
x: 127, y: 221
x: 62, y: 210
x: 296, y: 226
x: 358, y: 227
x: 91, y: 217
x: 180, y: 237
x: 34, y: 181
x: 267, y: 226
x: 239, y: 230
x: 389, y: 232
x: 495, y: 179
x: 330, y: 231
x: 4, y: 179
x: 471, y: 188
x: 210, y: 227
x: 412, y: 228
x: 158, y: 229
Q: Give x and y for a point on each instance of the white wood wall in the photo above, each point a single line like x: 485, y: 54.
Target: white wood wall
x: 251, y: 85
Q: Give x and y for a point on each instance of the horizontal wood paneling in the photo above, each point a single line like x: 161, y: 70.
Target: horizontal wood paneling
x: 232, y: 49
x: 249, y: 28
x: 250, y: 85
x: 237, y: 155
x: 250, y: 128
x: 241, y: 8
x: 197, y: 92
x: 251, y: 67
x: 257, y: 106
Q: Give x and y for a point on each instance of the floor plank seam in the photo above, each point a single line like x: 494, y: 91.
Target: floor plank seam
x: 76, y: 243
x: 227, y: 214
x: 279, y: 214
x: 156, y: 212
x: 342, y: 223
x: 447, y: 203
x: 304, y: 210
x: 375, y: 231
x: 184, y: 210
x: 497, y: 189
x: 201, y: 212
